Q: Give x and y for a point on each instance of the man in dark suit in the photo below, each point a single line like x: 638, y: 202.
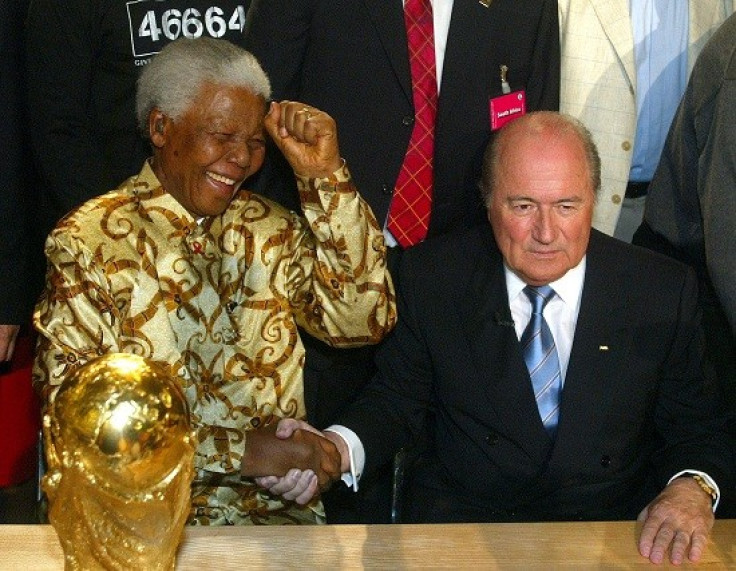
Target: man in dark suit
x: 632, y: 430
x: 17, y: 290
x: 351, y: 59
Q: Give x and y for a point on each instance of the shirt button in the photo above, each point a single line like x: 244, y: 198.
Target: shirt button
x: 616, y: 199
x: 385, y: 189
x: 605, y: 461
x: 626, y: 146
x: 492, y: 439
x: 407, y: 120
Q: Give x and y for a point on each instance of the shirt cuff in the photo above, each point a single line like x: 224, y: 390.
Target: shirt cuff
x: 710, y: 481
x: 309, y: 188
x: 356, y: 453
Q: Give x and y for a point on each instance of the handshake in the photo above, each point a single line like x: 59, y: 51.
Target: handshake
x: 294, y: 460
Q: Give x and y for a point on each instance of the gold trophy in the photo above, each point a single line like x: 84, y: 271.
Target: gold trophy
x: 120, y: 450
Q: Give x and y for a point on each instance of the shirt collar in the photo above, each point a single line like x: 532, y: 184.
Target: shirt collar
x: 569, y: 287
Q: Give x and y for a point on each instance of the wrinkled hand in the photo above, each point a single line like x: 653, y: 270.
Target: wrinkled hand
x: 306, y: 136
x: 680, y: 519
x: 267, y: 454
x: 8, y: 335
x: 297, y: 485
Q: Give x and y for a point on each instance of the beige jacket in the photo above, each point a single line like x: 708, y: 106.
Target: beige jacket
x: 598, y: 82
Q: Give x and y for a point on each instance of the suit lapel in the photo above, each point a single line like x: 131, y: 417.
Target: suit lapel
x: 388, y: 18
x: 616, y: 22
x: 499, y: 362
x: 599, y: 349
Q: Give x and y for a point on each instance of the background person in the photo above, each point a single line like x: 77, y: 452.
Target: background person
x: 691, y: 207
x: 625, y: 64
x: 83, y: 59
x: 15, y: 262
x: 19, y: 278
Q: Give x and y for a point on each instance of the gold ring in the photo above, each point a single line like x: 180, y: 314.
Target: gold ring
x: 305, y: 111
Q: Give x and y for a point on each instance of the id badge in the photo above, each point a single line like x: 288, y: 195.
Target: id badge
x: 506, y: 108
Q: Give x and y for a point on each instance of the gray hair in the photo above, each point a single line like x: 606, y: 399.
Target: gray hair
x: 175, y: 76
x: 537, y: 123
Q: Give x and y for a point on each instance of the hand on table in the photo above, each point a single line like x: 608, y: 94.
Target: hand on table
x: 679, y: 519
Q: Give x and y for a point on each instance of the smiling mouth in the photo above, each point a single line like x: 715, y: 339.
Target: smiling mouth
x: 220, y: 178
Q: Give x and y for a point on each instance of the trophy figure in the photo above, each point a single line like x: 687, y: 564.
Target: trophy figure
x: 120, y: 450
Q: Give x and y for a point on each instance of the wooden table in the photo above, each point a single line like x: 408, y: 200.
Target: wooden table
x: 588, y: 545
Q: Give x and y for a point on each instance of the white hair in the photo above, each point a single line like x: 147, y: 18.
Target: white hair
x: 173, y: 79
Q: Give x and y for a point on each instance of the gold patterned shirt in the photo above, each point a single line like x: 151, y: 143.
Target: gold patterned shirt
x: 217, y: 301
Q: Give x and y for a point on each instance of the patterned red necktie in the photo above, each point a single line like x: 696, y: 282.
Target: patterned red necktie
x: 408, y: 217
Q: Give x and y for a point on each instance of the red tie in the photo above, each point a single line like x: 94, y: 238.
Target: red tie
x: 408, y: 217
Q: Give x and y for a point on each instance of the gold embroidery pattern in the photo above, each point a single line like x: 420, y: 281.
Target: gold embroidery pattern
x: 219, y: 304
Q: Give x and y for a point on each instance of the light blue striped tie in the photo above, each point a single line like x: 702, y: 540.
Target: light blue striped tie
x: 540, y: 355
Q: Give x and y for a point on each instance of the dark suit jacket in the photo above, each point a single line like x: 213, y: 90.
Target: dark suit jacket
x: 350, y: 59
x: 18, y: 288
x: 634, y: 410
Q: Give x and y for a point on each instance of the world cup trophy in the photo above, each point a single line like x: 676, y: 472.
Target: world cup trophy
x: 119, y: 449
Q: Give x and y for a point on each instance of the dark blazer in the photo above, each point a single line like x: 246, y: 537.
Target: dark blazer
x: 350, y: 59
x: 18, y: 286
x: 634, y: 410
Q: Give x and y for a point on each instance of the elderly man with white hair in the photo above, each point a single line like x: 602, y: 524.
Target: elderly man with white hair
x: 183, y: 266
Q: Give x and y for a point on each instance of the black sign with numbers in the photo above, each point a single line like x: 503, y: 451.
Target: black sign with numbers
x: 155, y: 24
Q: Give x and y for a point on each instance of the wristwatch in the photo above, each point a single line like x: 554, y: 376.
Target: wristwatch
x: 704, y: 485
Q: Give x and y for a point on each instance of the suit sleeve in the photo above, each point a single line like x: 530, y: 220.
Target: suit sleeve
x: 718, y: 200
x: 688, y: 415
x: 691, y: 203
x: 392, y: 409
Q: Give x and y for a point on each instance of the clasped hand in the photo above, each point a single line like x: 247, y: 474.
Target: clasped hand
x: 301, y: 485
x: 305, y: 451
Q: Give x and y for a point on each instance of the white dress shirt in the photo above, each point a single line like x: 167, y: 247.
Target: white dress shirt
x: 560, y: 313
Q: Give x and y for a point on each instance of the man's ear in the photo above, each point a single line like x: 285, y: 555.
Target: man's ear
x: 157, y: 126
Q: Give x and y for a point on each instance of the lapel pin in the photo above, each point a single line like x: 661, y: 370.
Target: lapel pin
x: 485, y: 3
x: 603, y: 347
